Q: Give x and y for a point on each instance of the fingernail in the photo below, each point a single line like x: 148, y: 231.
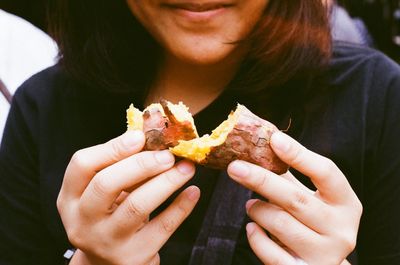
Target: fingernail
x: 132, y: 138
x: 250, y: 228
x: 193, y: 193
x: 239, y: 169
x: 185, y: 167
x: 250, y: 203
x: 280, y: 142
x: 164, y: 157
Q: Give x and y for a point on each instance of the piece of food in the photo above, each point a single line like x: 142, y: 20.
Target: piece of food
x: 243, y: 136
x: 163, y: 124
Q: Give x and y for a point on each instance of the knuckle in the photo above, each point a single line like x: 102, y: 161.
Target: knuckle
x: 349, y: 242
x: 358, y: 207
x: 296, y: 155
x: 174, y: 178
x: 329, y: 167
x: 135, y: 210
x: 259, y: 181
x: 143, y: 163
x: 117, y: 150
x: 168, y: 225
x: 326, y: 213
x: 280, y: 222
x: 299, y: 201
x: 300, y: 238
x: 80, y: 159
x: 346, y: 239
x: 60, y: 204
x: 182, y: 210
x: 100, y: 185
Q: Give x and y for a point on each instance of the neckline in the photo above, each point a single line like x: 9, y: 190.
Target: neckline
x: 215, y: 113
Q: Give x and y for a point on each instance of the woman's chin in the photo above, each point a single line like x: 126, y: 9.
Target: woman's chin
x: 205, y: 55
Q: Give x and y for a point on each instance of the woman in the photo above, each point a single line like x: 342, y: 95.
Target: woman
x: 119, y: 205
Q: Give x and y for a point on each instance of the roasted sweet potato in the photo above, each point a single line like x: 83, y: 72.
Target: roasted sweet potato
x: 163, y: 124
x: 243, y: 136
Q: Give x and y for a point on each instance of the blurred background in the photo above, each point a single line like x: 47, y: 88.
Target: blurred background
x: 382, y: 19
x: 25, y: 47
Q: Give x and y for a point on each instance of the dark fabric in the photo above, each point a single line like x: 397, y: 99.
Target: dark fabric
x: 356, y: 124
x: 217, y: 238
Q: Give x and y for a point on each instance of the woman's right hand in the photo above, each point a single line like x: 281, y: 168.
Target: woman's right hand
x: 108, y: 193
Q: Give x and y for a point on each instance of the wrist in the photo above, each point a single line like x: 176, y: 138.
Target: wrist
x: 345, y: 262
x: 79, y: 258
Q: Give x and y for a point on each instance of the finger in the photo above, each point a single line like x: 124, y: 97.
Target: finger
x: 108, y: 184
x: 121, y: 197
x: 326, y: 176
x: 267, y: 250
x: 87, y: 162
x: 154, y: 235
x: 145, y: 199
x: 288, y: 230
x: 289, y: 176
x: 300, y: 203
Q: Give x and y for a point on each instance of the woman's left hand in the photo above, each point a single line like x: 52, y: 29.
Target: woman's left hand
x: 319, y: 227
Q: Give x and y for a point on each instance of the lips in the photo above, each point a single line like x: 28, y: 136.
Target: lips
x: 198, y: 7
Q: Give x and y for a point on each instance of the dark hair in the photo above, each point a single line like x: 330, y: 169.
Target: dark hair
x: 291, y: 40
x: 102, y: 44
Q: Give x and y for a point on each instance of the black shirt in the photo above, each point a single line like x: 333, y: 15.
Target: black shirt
x: 51, y: 117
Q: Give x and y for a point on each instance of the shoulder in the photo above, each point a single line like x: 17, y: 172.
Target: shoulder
x: 364, y: 74
x: 365, y: 99
x: 360, y: 63
x: 345, y: 51
x: 46, y: 85
x: 46, y: 77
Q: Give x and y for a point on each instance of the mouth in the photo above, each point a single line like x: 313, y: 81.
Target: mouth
x: 195, y: 12
x: 198, y: 7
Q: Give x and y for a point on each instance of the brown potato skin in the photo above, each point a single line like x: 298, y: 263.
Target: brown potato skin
x: 249, y: 141
x: 162, y: 132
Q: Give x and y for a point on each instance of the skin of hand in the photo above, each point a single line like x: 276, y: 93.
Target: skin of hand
x: 319, y: 227
x: 108, y: 193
